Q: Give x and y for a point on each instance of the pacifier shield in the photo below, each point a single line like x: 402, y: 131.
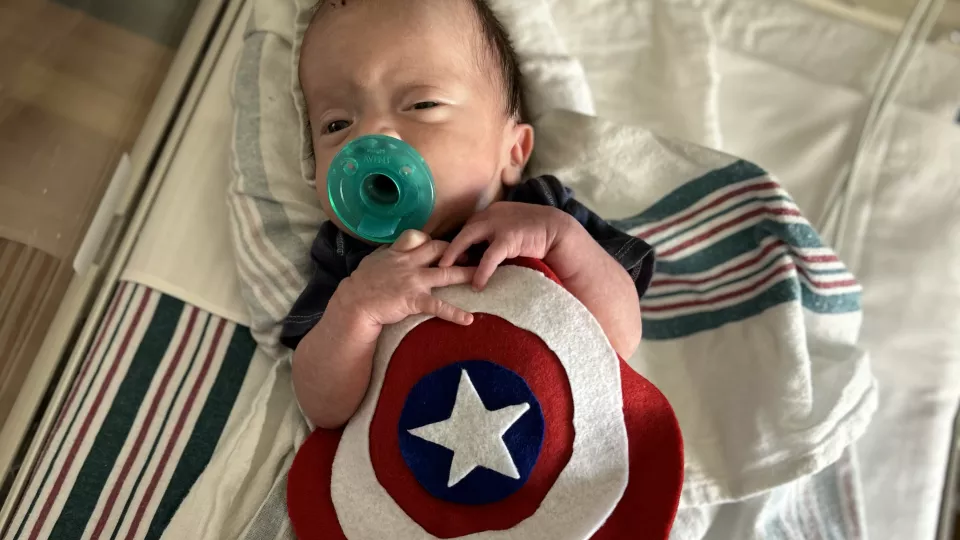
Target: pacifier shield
x: 380, y: 186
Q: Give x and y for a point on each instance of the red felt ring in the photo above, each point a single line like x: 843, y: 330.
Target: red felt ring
x: 433, y: 345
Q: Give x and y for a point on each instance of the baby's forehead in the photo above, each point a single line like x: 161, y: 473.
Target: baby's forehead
x: 335, y: 22
x: 415, y: 36
x: 460, y: 15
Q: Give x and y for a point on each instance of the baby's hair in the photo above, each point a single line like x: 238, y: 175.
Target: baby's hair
x: 503, y: 53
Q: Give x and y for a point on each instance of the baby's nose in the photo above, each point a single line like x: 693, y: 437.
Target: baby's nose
x: 390, y: 133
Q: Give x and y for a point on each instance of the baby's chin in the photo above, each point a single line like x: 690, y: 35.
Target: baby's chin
x: 443, y: 230
x: 442, y: 225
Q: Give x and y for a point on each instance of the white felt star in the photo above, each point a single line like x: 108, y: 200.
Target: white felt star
x: 474, y: 433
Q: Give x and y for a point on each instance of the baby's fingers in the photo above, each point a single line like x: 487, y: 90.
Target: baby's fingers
x: 410, y: 240
x: 495, y: 254
x: 427, y: 253
x: 452, y: 275
x: 431, y: 305
x: 473, y: 233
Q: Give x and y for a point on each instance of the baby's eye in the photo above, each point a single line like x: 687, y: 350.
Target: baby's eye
x: 425, y: 105
x: 337, y: 125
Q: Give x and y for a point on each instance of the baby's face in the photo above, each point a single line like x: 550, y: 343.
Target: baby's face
x: 416, y: 70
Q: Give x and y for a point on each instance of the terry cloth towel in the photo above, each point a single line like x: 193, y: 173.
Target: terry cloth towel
x: 750, y: 326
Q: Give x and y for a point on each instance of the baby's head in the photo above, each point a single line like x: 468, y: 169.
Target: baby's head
x: 438, y: 74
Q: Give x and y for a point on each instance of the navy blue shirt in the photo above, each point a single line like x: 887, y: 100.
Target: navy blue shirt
x: 336, y: 255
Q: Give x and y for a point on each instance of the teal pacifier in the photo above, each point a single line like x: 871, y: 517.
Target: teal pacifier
x: 379, y: 187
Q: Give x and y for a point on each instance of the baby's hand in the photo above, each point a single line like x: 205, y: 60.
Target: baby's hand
x: 513, y: 230
x: 396, y: 282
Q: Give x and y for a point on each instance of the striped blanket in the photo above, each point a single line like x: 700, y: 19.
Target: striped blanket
x: 728, y: 245
x: 140, y: 423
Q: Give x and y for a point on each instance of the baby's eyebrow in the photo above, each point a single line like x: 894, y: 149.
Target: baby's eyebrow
x: 322, y: 94
x: 442, y: 81
x: 316, y: 103
x: 421, y: 87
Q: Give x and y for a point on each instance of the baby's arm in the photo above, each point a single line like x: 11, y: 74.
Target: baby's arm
x: 585, y: 268
x: 332, y: 363
x: 601, y: 284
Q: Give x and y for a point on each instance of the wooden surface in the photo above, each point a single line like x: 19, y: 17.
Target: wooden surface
x: 31, y: 283
x: 74, y: 92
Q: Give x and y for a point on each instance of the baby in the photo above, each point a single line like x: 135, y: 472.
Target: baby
x: 442, y: 76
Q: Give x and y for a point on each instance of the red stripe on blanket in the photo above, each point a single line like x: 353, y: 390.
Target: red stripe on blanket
x: 753, y: 261
x: 698, y: 211
x: 763, y: 253
x: 726, y: 296
x: 145, y: 425
x: 90, y: 359
x: 728, y: 224
x: 47, y: 504
x: 181, y: 421
x: 822, y: 258
x: 826, y: 284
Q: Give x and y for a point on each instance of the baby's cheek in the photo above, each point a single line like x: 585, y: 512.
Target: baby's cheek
x: 486, y: 199
x: 457, y: 199
x: 460, y: 196
x: 464, y: 164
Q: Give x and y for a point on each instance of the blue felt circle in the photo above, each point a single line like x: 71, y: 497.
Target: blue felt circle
x: 431, y: 400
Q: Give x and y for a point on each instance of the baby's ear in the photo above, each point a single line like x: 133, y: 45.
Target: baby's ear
x: 519, y: 137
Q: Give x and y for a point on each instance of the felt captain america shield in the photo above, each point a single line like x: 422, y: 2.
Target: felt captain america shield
x: 524, y: 424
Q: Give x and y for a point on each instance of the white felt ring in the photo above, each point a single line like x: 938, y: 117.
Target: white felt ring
x: 593, y: 481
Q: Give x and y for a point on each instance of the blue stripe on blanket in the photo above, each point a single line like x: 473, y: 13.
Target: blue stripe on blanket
x: 688, y: 194
x: 786, y: 290
x: 739, y: 243
x: 685, y: 325
x: 731, y: 211
x: 755, y: 272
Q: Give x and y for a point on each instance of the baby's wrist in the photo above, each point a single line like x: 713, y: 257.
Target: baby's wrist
x: 571, y: 250
x: 349, y: 317
x: 564, y: 225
